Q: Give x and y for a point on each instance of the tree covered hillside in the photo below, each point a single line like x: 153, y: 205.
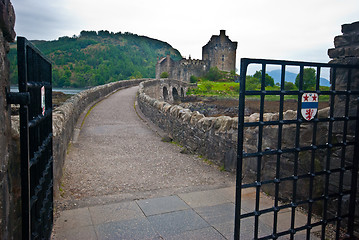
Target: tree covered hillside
x: 96, y: 58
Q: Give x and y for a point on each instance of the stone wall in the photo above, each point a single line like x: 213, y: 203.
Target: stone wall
x: 206, y: 136
x: 183, y: 69
x: 346, y: 51
x: 10, y: 204
x: 214, y: 138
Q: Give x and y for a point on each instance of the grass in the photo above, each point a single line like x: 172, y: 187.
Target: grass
x: 176, y: 143
x: 209, y: 162
x: 231, y: 90
x: 68, y: 148
x: 208, y: 88
x: 62, y: 191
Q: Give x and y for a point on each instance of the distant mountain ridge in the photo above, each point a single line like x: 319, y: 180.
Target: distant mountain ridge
x: 95, y: 58
x: 290, y: 77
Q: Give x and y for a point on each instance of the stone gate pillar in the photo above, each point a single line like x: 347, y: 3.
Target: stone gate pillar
x: 10, y: 212
x: 346, y: 51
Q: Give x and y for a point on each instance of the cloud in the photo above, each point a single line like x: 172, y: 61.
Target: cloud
x: 38, y: 20
x: 279, y: 29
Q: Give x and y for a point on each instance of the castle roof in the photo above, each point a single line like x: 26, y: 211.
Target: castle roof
x: 220, y: 39
x: 162, y: 59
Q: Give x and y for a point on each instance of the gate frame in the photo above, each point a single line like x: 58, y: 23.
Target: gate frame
x: 245, y: 62
x: 31, y: 79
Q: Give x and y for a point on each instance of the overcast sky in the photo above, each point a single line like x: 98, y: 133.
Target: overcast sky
x: 274, y: 29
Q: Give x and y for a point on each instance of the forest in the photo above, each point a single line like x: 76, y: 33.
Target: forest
x: 96, y: 58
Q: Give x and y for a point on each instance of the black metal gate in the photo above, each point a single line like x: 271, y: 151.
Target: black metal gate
x: 310, y: 161
x: 35, y: 98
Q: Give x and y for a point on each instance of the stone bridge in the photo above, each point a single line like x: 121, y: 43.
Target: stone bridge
x: 169, y: 90
x: 109, y: 128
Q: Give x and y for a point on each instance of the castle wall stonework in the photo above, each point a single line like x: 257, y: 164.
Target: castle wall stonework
x: 183, y: 69
x: 219, y: 52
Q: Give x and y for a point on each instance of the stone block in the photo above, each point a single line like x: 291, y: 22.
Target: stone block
x: 346, y: 40
x: 336, y: 52
x: 350, y: 28
x: 290, y: 115
x: 323, y: 113
x: 196, y: 116
x: 206, y: 123
x: 253, y: 117
x: 7, y: 20
x: 166, y: 107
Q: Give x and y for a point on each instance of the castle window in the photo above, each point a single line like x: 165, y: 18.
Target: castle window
x: 222, y: 58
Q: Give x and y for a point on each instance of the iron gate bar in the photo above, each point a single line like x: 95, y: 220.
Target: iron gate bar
x: 24, y: 139
x: 351, y: 217
x: 35, y: 142
x: 313, y: 148
x: 342, y: 163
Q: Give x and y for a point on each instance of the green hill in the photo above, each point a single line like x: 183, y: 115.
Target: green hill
x: 96, y: 58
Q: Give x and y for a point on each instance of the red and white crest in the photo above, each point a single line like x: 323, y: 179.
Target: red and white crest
x: 309, y: 105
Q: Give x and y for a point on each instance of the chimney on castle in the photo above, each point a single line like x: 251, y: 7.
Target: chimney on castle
x: 222, y: 35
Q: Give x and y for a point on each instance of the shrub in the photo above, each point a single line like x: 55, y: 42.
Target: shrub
x: 214, y: 74
x: 164, y: 75
x: 193, y: 79
x: 208, y: 86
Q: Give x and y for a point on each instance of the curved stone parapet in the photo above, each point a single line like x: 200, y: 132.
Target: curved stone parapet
x: 214, y: 138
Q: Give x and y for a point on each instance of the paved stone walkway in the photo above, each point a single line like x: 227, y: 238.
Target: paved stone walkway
x: 202, y: 215
x: 117, y: 154
x: 122, y: 182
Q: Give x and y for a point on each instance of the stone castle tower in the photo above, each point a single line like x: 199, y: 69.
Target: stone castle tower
x: 219, y: 52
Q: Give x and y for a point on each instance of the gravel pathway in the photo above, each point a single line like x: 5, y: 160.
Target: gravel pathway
x: 118, y: 157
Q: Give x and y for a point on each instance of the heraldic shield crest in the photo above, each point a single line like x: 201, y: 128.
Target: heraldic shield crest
x: 309, y: 105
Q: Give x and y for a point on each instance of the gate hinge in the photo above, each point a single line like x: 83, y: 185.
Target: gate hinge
x: 18, y: 98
